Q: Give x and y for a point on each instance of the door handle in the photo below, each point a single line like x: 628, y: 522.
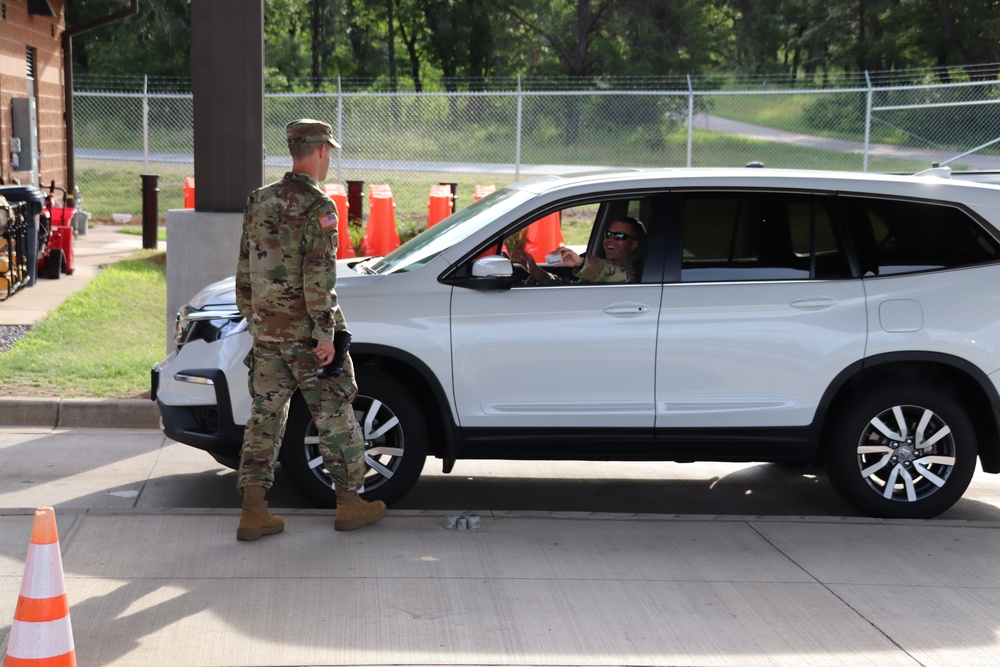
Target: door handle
x: 813, y: 303
x: 627, y: 309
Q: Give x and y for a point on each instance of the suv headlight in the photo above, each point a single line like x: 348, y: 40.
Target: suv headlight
x: 206, y: 325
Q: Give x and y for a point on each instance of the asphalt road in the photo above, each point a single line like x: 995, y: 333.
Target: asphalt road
x: 141, y: 469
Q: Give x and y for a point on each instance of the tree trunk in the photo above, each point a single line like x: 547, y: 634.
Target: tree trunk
x: 948, y: 27
x: 392, y: 59
x: 411, y: 50
x: 316, y: 42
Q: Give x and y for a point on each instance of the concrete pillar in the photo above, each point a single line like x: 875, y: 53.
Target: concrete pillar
x: 227, y: 45
x: 205, y: 248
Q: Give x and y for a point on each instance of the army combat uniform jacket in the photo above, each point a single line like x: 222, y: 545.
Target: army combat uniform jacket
x: 597, y: 270
x: 286, y: 275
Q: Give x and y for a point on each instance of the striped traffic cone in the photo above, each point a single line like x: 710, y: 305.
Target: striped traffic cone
x: 381, y: 236
x: 41, y: 635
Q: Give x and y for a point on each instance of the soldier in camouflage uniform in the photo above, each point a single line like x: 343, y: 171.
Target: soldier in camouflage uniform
x: 620, y: 263
x: 285, y: 284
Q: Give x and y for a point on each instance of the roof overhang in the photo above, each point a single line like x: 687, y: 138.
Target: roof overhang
x: 40, y: 8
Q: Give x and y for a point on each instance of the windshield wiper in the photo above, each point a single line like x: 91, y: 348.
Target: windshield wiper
x: 364, y: 268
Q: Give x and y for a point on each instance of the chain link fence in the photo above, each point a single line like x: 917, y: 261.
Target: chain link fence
x: 411, y: 140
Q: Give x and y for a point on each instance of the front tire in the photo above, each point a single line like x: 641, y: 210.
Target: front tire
x: 903, y: 450
x: 395, y: 434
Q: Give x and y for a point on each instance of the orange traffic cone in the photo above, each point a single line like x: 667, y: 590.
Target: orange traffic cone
x: 381, y: 236
x: 188, y: 192
x: 439, y: 205
x: 336, y: 192
x: 481, y: 191
x: 41, y: 635
x: 544, y: 235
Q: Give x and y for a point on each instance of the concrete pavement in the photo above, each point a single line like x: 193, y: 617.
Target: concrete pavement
x: 155, y: 576
x: 175, y: 588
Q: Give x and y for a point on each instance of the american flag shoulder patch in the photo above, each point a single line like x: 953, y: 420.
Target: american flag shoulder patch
x: 328, y: 220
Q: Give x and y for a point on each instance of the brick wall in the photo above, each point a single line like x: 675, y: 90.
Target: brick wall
x: 19, y: 30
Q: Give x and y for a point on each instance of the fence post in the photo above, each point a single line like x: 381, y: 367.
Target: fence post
x: 517, y: 134
x: 868, y: 119
x: 690, y: 119
x: 150, y: 210
x: 145, y: 123
x: 340, y: 124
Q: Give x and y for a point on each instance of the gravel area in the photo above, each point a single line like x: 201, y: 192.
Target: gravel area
x: 10, y: 334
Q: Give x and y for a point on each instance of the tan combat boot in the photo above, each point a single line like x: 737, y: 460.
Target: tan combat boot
x: 353, y: 511
x: 255, y: 522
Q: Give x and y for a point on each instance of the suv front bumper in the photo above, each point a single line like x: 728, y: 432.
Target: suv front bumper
x: 209, y: 427
x: 192, y: 390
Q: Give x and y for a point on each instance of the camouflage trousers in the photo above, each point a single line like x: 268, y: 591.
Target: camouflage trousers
x: 275, y: 374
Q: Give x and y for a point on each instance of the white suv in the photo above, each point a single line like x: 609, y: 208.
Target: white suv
x: 778, y: 316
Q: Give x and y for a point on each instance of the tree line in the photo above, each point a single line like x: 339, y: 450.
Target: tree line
x: 447, y: 43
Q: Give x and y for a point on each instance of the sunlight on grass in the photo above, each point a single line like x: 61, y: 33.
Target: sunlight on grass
x: 161, y: 232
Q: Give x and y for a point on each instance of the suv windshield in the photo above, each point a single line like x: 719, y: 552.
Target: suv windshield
x: 428, y: 244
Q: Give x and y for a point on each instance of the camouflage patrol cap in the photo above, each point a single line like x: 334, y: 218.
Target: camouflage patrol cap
x: 310, y: 131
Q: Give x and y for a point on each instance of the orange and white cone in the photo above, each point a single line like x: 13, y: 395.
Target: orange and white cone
x: 41, y: 635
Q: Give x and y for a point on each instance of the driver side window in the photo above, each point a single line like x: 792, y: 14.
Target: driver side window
x: 546, y: 239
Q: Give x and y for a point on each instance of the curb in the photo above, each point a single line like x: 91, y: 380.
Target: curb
x: 80, y: 412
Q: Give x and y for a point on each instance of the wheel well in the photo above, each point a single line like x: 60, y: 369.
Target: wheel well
x: 957, y: 382
x: 428, y: 396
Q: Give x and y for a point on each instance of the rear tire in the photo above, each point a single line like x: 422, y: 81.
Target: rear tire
x: 55, y: 264
x: 903, y: 450
x: 395, y: 435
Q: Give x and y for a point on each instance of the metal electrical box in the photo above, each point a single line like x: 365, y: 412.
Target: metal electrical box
x: 24, y: 136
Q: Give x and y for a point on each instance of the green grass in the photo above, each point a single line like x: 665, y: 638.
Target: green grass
x: 784, y: 112
x: 101, y: 342
x: 116, y: 187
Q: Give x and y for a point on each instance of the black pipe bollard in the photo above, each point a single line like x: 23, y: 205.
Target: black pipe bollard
x: 150, y: 210
x: 355, y: 199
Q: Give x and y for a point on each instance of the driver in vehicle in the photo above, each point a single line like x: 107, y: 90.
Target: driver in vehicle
x: 620, y: 263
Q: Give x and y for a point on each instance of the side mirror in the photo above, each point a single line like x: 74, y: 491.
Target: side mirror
x: 489, y: 274
x: 494, y: 266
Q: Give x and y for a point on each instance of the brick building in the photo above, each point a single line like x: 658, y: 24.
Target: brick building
x: 32, y: 92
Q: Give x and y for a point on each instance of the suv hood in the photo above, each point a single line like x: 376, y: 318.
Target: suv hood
x: 222, y: 293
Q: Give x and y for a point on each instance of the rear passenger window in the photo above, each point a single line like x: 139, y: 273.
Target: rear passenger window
x: 905, y: 237
x: 759, y: 236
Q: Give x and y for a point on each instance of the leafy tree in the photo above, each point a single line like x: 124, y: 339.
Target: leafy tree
x: 574, y: 31
x: 286, y: 52
x: 957, y: 32
x: 413, y: 33
x: 156, y: 42
x: 670, y: 37
x: 473, y: 40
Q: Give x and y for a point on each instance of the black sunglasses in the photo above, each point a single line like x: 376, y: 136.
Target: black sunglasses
x: 618, y: 236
